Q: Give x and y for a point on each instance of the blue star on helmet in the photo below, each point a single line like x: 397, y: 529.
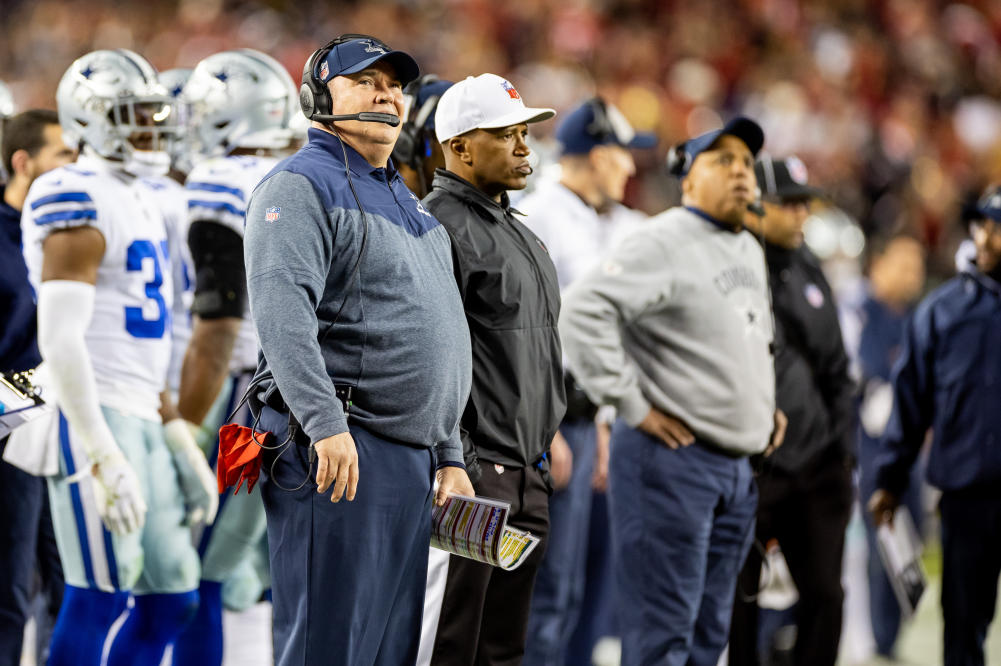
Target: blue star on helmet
x: 87, y: 72
x: 176, y: 91
x: 222, y: 76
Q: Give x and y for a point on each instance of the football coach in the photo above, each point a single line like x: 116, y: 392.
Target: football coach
x: 674, y: 329
x: 365, y: 371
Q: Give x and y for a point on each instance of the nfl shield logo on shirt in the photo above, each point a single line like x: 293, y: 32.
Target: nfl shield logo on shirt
x: 814, y: 296
x: 272, y: 214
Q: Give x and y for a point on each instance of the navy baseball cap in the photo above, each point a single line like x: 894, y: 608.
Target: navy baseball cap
x: 434, y: 89
x: 353, y: 56
x: 597, y: 123
x: 741, y: 127
x: 989, y: 205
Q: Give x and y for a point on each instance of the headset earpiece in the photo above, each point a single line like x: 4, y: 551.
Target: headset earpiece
x: 412, y: 146
x: 601, y: 126
x: 314, y: 96
x: 678, y: 160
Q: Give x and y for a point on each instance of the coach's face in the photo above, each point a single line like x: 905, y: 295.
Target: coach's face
x: 497, y: 159
x: 614, y: 166
x: 721, y: 180
x: 987, y: 238
x: 376, y: 88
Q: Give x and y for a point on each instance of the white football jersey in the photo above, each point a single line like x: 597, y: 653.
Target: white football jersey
x: 172, y: 201
x: 129, y: 334
x: 218, y: 191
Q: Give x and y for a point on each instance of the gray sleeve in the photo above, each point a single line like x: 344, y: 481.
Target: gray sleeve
x: 287, y: 262
x: 597, y: 307
x: 449, y: 452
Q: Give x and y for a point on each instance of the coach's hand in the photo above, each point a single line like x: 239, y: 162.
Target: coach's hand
x: 882, y: 506
x: 337, y: 463
x: 560, y: 462
x: 667, y: 429
x: 780, y: 423
x: 452, y: 481
x: 599, y: 478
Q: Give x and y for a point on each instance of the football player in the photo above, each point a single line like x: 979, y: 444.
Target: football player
x: 242, y: 103
x: 169, y: 190
x: 95, y: 243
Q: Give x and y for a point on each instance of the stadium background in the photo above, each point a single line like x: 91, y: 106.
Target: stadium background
x: 893, y: 105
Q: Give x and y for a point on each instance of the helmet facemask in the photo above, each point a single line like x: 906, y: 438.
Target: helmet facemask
x: 147, y: 127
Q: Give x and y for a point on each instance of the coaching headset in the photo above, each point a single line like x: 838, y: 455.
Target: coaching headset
x: 314, y: 97
x: 412, y: 145
x: 602, y: 127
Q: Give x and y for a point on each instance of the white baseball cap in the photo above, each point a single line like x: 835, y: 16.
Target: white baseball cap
x: 486, y: 101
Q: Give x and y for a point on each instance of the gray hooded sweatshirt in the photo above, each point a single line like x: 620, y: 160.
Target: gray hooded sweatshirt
x: 678, y: 317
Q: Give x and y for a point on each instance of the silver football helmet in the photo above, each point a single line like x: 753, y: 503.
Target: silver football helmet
x: 241, y: 99
x: 7, y: 106
x: 180, y: 145
x: 112, y: 102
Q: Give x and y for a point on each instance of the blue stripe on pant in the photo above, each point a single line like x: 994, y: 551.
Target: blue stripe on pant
x: 682, y: 523
x: 348, y: 578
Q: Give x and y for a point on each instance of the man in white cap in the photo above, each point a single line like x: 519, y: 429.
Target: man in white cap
x: 511, y: 297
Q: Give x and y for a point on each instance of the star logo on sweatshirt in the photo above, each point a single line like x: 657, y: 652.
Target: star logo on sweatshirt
x: 752, y: 316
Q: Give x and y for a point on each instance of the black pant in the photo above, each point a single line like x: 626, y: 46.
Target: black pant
x: 807, y: 513
x: 484, y: 611
x: 971, y: 564
x: 27, y: 546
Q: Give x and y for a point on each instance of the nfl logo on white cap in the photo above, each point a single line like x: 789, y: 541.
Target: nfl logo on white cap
x: 486, y: 101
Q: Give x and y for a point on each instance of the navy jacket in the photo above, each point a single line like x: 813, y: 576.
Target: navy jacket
x: 18, y: 332
x: 367, y: 301
x: 878, y: 349
x: 948, y: 378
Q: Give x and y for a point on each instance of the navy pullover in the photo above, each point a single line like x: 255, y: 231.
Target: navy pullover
x: 948, y: 378
x: 18, y: 332
x: 401, y: 338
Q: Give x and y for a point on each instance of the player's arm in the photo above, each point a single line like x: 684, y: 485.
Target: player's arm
x: 220, y: 299
x: 71, y: 258
x: 596, y: 307
x: 198, y: 482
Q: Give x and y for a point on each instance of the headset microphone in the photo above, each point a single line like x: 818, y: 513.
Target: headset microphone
x: 756, y: 206
x: 364, y: 116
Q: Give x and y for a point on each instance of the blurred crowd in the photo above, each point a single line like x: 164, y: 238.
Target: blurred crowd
x: 892, y: 104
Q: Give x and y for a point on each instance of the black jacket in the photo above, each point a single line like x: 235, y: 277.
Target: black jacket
x: 512, y: 300
x: 811, y: 367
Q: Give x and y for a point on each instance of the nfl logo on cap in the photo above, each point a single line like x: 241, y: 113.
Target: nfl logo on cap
x: 510, y: 90
x: 324, y: 70
x: 272, y: 214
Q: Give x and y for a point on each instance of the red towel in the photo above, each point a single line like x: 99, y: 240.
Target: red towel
x: 240, y: 456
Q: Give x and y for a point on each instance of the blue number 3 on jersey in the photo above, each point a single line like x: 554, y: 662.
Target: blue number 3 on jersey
x: 135, y: 323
